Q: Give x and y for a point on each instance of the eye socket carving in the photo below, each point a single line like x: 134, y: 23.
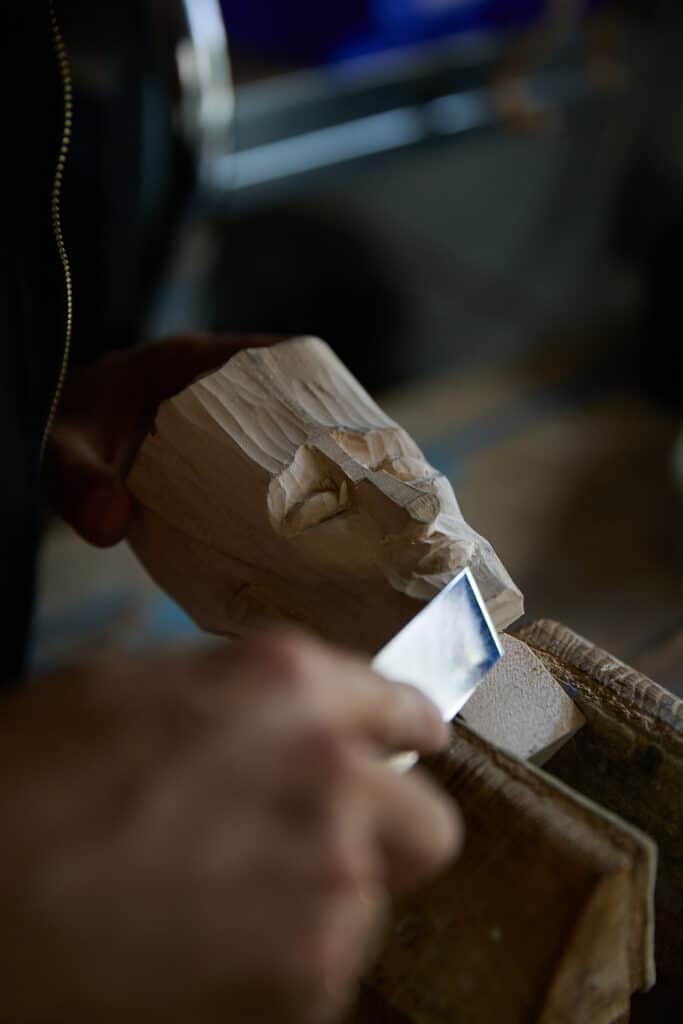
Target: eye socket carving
x: 310, y: 491
x: 314, y: 489
x: 318, y: 507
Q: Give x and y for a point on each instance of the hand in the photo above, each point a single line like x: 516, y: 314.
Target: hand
x: 106, y: 411
x: 208, y: 837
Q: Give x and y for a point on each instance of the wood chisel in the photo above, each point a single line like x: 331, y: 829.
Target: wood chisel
x: 446, y: 650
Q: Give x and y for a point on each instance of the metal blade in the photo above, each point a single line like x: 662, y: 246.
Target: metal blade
x: 447, y: 649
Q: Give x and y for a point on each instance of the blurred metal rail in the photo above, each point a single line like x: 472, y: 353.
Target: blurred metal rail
x: 292, y: 126
x: 258, y: 137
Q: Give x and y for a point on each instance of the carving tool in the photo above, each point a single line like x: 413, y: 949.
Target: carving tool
x: 446, y: 650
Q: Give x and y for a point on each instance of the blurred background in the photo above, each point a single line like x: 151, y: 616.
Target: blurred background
x: 478, y: 203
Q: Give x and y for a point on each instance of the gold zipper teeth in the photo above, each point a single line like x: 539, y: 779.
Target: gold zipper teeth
x: 55, y: 207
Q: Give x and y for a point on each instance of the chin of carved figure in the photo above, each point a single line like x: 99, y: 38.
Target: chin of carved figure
x: 276, y: 488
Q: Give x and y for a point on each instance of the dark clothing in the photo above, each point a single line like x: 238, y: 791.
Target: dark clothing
x: 127, y: 177
x: 31, y: 303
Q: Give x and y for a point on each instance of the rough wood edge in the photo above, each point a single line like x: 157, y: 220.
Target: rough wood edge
x: 632, y: 841
x: 589, y: 951
x: 533, y: 723
x: 592, y: 675
x: 624, y: 860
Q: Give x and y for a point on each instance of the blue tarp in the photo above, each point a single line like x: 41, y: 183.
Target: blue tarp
x: 312, y: 30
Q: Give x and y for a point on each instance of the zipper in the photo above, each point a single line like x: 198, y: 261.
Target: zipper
x: 64, y: 66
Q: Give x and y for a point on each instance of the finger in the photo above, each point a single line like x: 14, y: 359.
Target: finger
x: 393, y: 829
x: 86, y: 491
x: 395, y: 716
x: 402, y: 718
x: 419, y: 828
x: 342, y: 691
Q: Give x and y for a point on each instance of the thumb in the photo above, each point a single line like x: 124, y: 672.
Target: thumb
x: 87, y: 492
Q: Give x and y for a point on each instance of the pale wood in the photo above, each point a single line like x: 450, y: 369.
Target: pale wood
x: 546, y: 918
x: 521, y: 708
x: 628, y: 758
x: 277, y: 487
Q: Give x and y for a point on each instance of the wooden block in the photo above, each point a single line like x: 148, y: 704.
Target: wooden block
x: 629, y: 759
x: 521, y: 708
x: 277, y: 487
x: 546, y: 918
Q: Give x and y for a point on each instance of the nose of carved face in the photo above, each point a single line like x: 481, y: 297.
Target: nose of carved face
x: 380, y: 478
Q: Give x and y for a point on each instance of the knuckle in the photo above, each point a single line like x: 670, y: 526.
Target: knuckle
x: 287, y: 659
x: 420, y: 715
x: 318, y: 764
x: 329, y: 754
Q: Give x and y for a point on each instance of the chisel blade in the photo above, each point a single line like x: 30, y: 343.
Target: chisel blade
x: 447, y: 649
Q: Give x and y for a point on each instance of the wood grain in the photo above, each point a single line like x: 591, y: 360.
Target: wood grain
x: 628, y: 758
x: 546, y: 917
x: 521, y: 708
x: 277, y: 487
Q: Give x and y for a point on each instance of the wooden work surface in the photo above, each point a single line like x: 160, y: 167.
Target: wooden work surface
x: 629, y: 759
x: 498, y: 938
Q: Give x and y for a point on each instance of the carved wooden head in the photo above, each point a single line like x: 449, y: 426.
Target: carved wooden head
x: 276, y: 486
